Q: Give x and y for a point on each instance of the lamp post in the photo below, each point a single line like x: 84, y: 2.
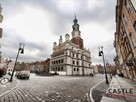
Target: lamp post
x: 72, y: 60
x: 83, y: 63
x: 101, y: 53
x: 0, y: 56
x: 21, y: 50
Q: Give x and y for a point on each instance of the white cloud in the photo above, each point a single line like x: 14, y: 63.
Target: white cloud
x: 39, y: 24
x: 66, y: 5
x: 95, y: 34
x: 32, y: 24
x: 91, y: 4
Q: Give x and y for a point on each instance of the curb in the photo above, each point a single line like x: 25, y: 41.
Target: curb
x: 91, y: 98
x: 11, y: 89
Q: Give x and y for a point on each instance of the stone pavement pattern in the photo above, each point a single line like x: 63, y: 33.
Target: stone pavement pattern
x: 120, y: 83
x: 52, y: 89
x: 7, y: 87
x: 100, y: 90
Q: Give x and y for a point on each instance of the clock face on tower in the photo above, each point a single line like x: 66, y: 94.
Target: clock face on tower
x: 76, y: 34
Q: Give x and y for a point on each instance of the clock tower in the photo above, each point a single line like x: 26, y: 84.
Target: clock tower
x: 76, y: 38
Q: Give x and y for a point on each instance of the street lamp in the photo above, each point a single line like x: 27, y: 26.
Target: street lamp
x: 82, y: 63
x: 21, y: 50
x: 0, y: 56
x: 72, y: 59
x: 101, y: 53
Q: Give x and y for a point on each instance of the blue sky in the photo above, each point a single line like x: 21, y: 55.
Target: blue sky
x: 39, y: 23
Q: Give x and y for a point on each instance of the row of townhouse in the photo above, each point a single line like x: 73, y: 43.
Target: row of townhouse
x: 125, y: 38
x: 99, y: 69
x: 40, y: 67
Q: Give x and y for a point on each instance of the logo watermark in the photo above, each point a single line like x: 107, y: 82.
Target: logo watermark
x: 120, y: 92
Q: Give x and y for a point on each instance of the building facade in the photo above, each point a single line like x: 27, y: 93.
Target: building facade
x: 1, y: 18
x: 125, y: 38
x: 40, y: 67
x: 70, y: 57
x: 98, y: 69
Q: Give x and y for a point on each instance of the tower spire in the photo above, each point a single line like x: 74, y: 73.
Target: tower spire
x: 76, y: 38
x: 76, y: 25
x: 75, y: 21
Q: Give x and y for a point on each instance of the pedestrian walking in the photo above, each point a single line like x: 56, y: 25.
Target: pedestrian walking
x: 1, y: 72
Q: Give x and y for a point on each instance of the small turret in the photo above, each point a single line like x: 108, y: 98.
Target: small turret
x: 54, y: 44
x: 60, y: 40
x: 67, y: 37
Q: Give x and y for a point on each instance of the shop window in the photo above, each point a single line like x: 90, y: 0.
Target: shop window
x: 59, y: 69
x: 53, y: 69
x: 134, y: 25
x: 62, y: 69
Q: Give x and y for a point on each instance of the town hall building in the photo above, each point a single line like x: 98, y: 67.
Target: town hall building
x: 70, y: 57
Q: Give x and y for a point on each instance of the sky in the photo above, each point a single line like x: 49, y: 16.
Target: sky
x: 39, y: 23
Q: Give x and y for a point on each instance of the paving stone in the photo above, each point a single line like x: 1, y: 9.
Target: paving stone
x: 54, y: 89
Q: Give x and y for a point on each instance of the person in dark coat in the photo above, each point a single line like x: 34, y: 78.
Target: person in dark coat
x: 1, y: 73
